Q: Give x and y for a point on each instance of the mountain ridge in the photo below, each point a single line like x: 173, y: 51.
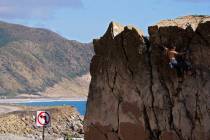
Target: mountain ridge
x: 33, y: 59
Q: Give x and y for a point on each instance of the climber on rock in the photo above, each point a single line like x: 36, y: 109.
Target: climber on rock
x: 171, y: 53
x: 176, y: 63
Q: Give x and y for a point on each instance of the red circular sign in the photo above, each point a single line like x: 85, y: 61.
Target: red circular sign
x: 45, y: 116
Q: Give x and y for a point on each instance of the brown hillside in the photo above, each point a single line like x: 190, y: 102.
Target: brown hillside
x: 32, y: 59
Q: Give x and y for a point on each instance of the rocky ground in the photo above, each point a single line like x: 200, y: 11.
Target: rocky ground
x: 19, y: 122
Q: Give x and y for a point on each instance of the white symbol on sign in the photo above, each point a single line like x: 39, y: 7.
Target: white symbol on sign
x: 43, y: 118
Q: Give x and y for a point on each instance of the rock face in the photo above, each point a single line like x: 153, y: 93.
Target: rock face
x: 135, y: 95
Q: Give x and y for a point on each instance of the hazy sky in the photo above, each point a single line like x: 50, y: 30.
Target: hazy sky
x: 84, y: 20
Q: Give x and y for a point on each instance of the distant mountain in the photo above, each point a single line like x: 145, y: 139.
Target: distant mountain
x: 33, y: 60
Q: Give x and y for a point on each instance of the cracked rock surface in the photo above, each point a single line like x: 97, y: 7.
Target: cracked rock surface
x: 134, y: 95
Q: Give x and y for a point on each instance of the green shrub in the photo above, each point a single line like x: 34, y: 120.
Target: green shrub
x: 68, y: 136
x: 72, y: 75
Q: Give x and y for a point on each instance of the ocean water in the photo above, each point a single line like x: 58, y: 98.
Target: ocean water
x: 79, y: 105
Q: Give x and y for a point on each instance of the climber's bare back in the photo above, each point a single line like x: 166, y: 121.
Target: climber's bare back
x: 171, y: 54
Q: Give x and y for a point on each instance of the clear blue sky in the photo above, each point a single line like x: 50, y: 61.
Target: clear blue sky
x: 84, y: 20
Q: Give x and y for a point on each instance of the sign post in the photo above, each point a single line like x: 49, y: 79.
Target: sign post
x: 43, y: 133
x: 43, y: 120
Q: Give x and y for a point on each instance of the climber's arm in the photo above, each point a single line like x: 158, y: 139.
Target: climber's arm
x: 165, y: 48
x: 182, y: 53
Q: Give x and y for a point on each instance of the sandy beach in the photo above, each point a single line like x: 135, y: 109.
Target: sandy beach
x: 25, y: 100
x: 9, y: 108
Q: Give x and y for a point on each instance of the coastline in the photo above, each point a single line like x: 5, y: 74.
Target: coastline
x: 28, y: 100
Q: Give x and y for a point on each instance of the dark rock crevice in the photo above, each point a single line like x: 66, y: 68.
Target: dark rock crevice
x: 197, y: 110
x: 147, y: 124
x: 151, y: 87
x: 126, y: 57
x: 170, y: 102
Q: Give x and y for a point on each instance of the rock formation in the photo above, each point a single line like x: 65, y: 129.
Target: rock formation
x: 135, y: 95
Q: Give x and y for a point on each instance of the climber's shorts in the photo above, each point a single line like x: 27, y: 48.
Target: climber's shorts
x: 173, y: 63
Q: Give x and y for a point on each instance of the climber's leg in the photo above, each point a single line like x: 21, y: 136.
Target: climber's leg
x: 178, y: 67
x: 179, y: 71
x: 180, y: 74
x: 173, y: 63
